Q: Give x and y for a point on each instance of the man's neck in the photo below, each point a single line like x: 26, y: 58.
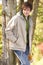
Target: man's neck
x: 26, y: 17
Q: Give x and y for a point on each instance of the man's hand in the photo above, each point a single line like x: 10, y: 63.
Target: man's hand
x: 30, y: 57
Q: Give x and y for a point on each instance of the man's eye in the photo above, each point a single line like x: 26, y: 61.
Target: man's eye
x: 24, y: 9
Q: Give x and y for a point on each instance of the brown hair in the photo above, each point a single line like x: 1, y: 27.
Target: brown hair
x: 26, y: 5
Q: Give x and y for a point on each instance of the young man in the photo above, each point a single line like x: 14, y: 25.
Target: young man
x: 19, y: 32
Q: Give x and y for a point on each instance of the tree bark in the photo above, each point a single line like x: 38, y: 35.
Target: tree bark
x: 4, y: 56
x: 20, y: 4
x: 12, y: 11
x: 31, y: 1
x: 34, y: 14
x: 9, y: 10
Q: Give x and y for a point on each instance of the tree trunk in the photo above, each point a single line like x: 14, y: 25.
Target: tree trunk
x: 34, y: 14
x: 12, y: 8
x: 9, y: 10
x: 31, y: 1
x: 4, y: 57
x: 20, y: 4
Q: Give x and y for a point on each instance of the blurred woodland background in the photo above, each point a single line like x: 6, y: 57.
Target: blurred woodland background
x: 9, y: 8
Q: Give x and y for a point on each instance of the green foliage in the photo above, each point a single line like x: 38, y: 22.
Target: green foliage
x: 38, y: 35
x: 40, y: 12
x: 38, y: 38
x: 0, y: 30
x: 0, y: 9
x: 0, y: 12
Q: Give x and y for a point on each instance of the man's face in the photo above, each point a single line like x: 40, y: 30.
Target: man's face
x: 26, y: 11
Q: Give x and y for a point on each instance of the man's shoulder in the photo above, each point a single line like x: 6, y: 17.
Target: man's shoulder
x: 30, y: 19
x: 30, y: 16
x: 16, y: 16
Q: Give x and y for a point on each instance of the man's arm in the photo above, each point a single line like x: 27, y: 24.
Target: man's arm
x: 9, y: 34
x: 31, y: 30
x: 31, y: 34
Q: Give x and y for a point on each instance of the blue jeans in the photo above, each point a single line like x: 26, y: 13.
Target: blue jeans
x: 23, y: 56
